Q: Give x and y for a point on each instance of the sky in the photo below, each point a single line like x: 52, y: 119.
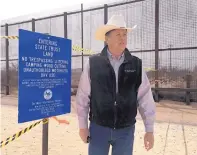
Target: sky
x: 13, y: 11
x: 10, y: 8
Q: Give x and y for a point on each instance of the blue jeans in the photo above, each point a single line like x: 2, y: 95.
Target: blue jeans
x: 102, y: 137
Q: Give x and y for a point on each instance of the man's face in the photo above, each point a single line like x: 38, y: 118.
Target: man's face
x: 117, y: 39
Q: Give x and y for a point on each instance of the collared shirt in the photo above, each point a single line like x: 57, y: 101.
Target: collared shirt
x: 115, y: 62
x: 145, y: 98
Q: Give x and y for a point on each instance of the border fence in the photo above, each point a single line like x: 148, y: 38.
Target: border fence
x: 165, y: 39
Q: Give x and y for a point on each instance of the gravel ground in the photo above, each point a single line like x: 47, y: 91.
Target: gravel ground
x: 175, y: 132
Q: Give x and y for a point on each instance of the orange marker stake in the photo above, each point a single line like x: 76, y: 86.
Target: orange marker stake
x: 61, y: 121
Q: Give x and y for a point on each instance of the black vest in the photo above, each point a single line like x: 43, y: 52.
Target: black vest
x: 108, y: 108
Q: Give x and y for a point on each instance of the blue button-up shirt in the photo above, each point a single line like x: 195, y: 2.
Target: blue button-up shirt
x: 145, y: 98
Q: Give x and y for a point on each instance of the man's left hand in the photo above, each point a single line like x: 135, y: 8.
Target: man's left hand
x: 148, y: 140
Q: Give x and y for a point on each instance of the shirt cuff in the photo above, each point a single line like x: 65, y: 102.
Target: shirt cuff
x: 149, y: 128
x: 83, y: 123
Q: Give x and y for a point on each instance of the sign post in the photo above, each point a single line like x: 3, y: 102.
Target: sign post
x: 45, y: 135
x: 44, y: 78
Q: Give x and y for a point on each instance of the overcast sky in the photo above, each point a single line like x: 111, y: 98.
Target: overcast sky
x: 11, y: 9
x: 17, y: 10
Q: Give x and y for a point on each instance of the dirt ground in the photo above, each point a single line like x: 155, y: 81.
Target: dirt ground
x: 175, y: 132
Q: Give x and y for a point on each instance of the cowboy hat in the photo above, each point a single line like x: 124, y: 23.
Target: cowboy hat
x: 115, y: 22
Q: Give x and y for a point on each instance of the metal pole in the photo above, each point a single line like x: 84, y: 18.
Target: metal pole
x: 33, y: 25
x: 45, y: 135
x: 156, y: 48
x: 65, y: 25
x: 188, y: 85
x: 82, y: 33
x: 45, y: 129
x: 105, y: 16
x: 170, y: 58
x: 7, y: 62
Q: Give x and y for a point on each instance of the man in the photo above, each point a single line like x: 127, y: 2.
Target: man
x: 112, y: 87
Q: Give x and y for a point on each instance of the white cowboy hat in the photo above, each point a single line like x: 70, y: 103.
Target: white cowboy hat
x: 115, y: 22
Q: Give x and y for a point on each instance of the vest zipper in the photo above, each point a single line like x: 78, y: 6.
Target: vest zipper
x: 115, y: 114
x: 115, y: 104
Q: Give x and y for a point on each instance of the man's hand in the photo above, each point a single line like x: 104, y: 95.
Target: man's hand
x: 84, y: 133
x: 148, y: 140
